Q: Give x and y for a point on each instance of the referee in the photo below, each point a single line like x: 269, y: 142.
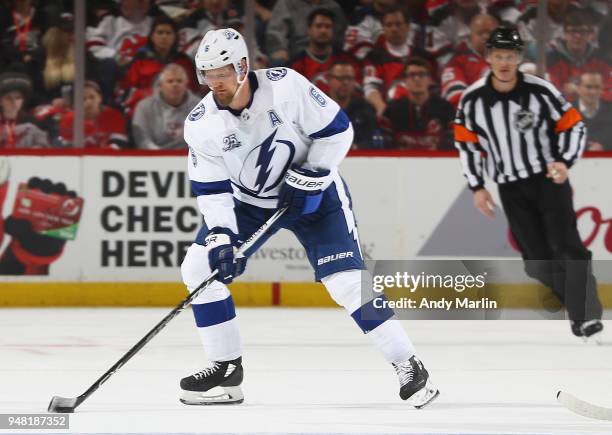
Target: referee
x: 521, y: 129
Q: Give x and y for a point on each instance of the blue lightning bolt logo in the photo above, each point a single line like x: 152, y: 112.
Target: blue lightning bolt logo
x: 263, y: 161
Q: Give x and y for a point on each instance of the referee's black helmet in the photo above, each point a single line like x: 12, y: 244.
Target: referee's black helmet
x: 505, y: 37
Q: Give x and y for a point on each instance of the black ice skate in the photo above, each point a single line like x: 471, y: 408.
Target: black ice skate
x: 415, y: 386
x: 215, y: 385
x: 589, y: 330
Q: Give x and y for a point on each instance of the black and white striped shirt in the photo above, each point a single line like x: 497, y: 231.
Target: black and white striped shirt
x: 515, y: 134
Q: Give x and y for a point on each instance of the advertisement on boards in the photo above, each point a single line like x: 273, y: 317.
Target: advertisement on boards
x: 41, y: 204
x: 131, y: 218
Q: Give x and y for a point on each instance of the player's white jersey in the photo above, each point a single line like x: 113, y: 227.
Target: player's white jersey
x: 288, y: 120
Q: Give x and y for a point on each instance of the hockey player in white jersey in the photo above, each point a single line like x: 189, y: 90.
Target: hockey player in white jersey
x: 259, y: 141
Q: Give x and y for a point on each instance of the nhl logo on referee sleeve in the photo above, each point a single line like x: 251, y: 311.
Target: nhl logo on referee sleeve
x: 524, y: 120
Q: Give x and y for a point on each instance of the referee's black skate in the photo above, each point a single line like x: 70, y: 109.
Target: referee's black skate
x: 589, y: 330
x: 215, y: 385
x: 415, y: 386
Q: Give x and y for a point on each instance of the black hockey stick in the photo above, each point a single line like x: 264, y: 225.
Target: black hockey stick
x: 583, y: 408
x: 63, y: 404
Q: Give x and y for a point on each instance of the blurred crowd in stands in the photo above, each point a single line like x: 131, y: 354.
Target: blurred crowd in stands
x: 398, y: 68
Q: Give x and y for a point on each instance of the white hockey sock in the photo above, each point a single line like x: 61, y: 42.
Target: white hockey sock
x: 393, y: 342
x: 215, y: 317
x: 222, y: 341
x: 385, y: 332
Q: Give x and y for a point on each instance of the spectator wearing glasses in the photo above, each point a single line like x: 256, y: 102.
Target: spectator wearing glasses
x: 574, y: 54
x: 597, y: 114
x: 557, y: 10
x: 420, y: 121
x: 342, y: 89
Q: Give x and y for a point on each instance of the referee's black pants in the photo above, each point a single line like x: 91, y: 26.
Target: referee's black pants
x: 543, y: 222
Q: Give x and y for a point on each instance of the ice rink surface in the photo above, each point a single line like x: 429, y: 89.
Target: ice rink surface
x: 306, y: 371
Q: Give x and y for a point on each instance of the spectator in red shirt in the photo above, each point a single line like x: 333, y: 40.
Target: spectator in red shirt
x: 319, y: 55
x: 420, y: 121
x: 105, y: 127
x: 117, y: 37
x: 161, y: 49
x: 468, y: 64
x: 386, y: 62
x: 574, y: 54
x: 366, y: 27
x: 17, y: 128
x: 448, y: 25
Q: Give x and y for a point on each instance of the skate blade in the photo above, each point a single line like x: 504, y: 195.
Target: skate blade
x: 424, y: 396
x: 596, y: 339
x: 225, y: 396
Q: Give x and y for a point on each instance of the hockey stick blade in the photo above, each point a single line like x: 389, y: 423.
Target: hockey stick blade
x: 63, y: 404
x: 583, y: 408
x: 67, y: 405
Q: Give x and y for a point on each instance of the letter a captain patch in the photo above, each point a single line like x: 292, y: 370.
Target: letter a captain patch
x: 274, y: 118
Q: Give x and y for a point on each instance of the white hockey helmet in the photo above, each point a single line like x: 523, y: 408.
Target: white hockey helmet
x: 220, y: 48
